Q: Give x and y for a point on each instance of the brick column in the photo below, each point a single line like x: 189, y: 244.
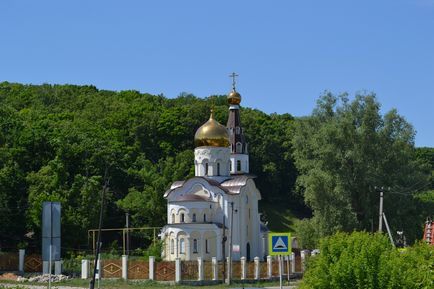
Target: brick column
x: 243, y: 268
x: 125, y: 267
x: 269, y: 266
x: 84, y: 269
x: 177, y: 270
x: 200, y: 268
x: 257, y: 268
x: 151, y: 267
x: 214, y: 268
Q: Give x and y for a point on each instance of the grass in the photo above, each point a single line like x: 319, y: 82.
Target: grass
x: 279, y: 217
x: 145, y: 284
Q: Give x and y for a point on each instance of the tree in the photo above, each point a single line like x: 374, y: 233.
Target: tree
x: 344, y: 152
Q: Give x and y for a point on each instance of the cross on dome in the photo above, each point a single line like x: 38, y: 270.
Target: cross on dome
x: 233, y: 75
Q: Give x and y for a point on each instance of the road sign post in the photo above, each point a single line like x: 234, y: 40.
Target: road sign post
x: 279, y: 244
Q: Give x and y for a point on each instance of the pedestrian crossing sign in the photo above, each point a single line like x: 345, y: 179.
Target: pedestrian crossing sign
x: 279, y: 243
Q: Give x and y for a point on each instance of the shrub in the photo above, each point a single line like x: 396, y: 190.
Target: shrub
x: 363, y: 260
x: 154, y: 250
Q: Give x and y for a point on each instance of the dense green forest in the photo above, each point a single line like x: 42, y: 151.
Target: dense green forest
x: 64, y: 142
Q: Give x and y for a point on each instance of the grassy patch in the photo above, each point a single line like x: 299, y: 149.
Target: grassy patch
x: 279, y: 216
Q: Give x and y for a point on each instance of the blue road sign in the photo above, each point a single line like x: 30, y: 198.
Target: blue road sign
x: 279, y: 243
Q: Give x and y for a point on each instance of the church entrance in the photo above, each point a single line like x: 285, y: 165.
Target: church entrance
x: 248, y: 251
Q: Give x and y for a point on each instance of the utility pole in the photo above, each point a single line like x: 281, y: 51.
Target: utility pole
x: 127, y: 221
x: 380, y: 220
x: 230, y: 245
x: 388, y: 230
x: 98, y: 247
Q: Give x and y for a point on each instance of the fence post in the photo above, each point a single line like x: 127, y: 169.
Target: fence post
x: 177, y: 270
x: 84, y: 269
x: 58, y: 267
x: 21, y: 255
x: 257, y: 268
x: 243, y: 268
x: 151, y: 267
x: 98, y: 268
x: 200, y: 268
x: 304, y: 254
x: 292, y: 262
x: 214, y: 268
x: 269, y: 267
x: 228, y: 269
x: 125, y: 267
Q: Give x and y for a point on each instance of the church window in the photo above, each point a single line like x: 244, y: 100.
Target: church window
x: 249, y: 213
x: 204, y: 218
x: 182, y: 246
x: 237, y: 129
x: 172, y: 246
x: 239, y: 147
x: 173, y: 218
x: 206, y: 169
x: 195, y: 246
x: 206, y: 246
x: 218, y: 169
x: 245, y: 148
x: 238, y: 165
x: 193, y: 218
x: 230, y: 166
x: 182, y: 218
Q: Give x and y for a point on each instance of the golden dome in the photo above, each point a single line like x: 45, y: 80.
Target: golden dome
x: 234, y: 97
x: 212, y: 133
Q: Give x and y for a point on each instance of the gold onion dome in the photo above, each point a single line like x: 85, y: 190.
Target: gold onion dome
x: 212, y: 133
x: 234, y: 97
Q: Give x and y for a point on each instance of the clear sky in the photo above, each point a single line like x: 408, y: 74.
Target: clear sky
x: 286, y: 52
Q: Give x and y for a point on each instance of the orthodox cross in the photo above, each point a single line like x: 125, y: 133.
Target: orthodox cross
x: 233, y: 75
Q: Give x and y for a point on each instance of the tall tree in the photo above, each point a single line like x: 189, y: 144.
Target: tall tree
x: 345, y: 151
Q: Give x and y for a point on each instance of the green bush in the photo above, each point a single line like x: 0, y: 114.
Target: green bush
x: 306, y: 233
x: 154, y: 250
x: 363, y: 260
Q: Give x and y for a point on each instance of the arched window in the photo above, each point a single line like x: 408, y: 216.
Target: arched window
x: 182, y: 246
x: 230, y: 166
x: 173, y: 218
x: 206, y: 169
x: 238, y: 165
x: 237, y: 130
x: 182, y: 218
x: 239, y: 147
x: 193, y: 218
x: 204, y: 218
x: 172, y: 246
x: 206, y: 246
x: 218, y: 169
x: 195, y: 246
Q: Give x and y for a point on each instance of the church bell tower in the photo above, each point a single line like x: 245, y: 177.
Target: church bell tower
x: 239, y: 159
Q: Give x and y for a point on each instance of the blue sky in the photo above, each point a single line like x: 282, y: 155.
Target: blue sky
x: 286, y: 52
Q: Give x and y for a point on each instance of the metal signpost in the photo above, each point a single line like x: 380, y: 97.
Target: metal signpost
x: 51, y: 212
x: 279, y: 244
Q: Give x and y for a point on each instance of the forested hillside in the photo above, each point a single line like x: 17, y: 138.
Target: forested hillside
x: 63, y: 142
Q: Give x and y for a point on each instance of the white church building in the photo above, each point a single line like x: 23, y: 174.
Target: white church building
x: 219, y: 206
